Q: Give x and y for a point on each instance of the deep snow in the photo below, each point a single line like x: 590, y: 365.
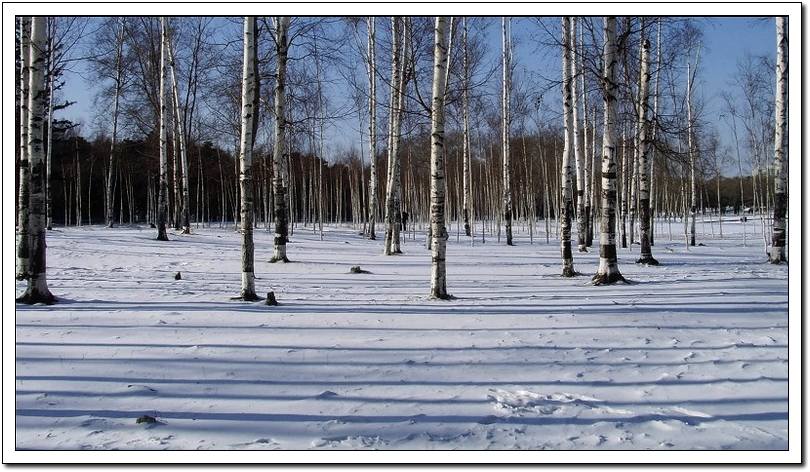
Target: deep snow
x: 692, y: 355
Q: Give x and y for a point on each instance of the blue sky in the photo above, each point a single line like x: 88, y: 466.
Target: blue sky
x: 726, y: 40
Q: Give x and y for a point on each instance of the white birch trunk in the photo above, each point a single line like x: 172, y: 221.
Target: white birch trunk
x: 643, y: 154
x: 438, y: 283
x: 248, y: 291
x: 37, y: 291
x: 779, y: 238
x: 569, y: 148
x: 372, y: 127
x: 608, y: 271
x: 591, y: 180
x: 691, y: 149
x: 388, y: 215
x: 163, y: 203
x: 585, y: 151
x: 281, y: 151
x: 577, y: 136
x: 174, y: 130
x: 24, y: 197
x: 466, y: 159
x: 393, y: 216
x: 507, y: 165
x: 49, y: 124
x: 181, y: 132
x: 117, y: 94
x: 654, y: 132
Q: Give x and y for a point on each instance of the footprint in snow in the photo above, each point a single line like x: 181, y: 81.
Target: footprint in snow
x: 489, y: 419
x: 683, y: 411
x: 141, y: 388
x: 691, y: 355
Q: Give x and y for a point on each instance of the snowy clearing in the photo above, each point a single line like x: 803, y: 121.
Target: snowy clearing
x: 693, y: 355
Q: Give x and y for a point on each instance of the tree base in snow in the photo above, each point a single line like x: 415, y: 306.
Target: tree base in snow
x: 186, y: 231
x: 582, y: 248
x: 647, y: 261
x: 33, y: 298
x: 777, y: 260
x: 247, y: 297
x: 569, y: 272
x: 607, y: 279
x: 279, y: 259
x: 443, y: 296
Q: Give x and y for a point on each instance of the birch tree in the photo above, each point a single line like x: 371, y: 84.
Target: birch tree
x: 37, y: 291
x: 779, y: 239
x: 586, y: 153
x: 608, y: 271
x: 163, y: 197
x: 692, y: 152
x: 507, y: 165
x: 372, y: 127
x: 569, y: 148
x: 180, y: 127
x: 438, y: 283
x: 23, y: 242
x: 644, y: 155
x: 390, y: 208
x: 249, y: 122
x: 577, y: 135
x: 392, y: 198
x: 280, y: 150
x: 466, y: 158
x: 654, y: 131
x: 119, y: 72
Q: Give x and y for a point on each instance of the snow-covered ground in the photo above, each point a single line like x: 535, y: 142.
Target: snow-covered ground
x: 691, y: 355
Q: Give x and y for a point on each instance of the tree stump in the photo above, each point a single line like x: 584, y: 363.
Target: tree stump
x: 271, y: 299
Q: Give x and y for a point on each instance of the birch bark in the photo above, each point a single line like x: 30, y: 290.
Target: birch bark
x: 577, y: 135
x: 644, y: 156
x: 466, y: 159
x: 393, y: 212
x: 569, y: 148
x: 438, y: 284
x: 24, y: 197
x: 608, y: 271
x: 372, y: 127
x: 117, y: 94
x: 37, y: 291
x: 249, y: 79
x: 181, y: 132
x: 280, y: 150
x: 779, y: 238
x: 507, y: 165
x: 163, y: 203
